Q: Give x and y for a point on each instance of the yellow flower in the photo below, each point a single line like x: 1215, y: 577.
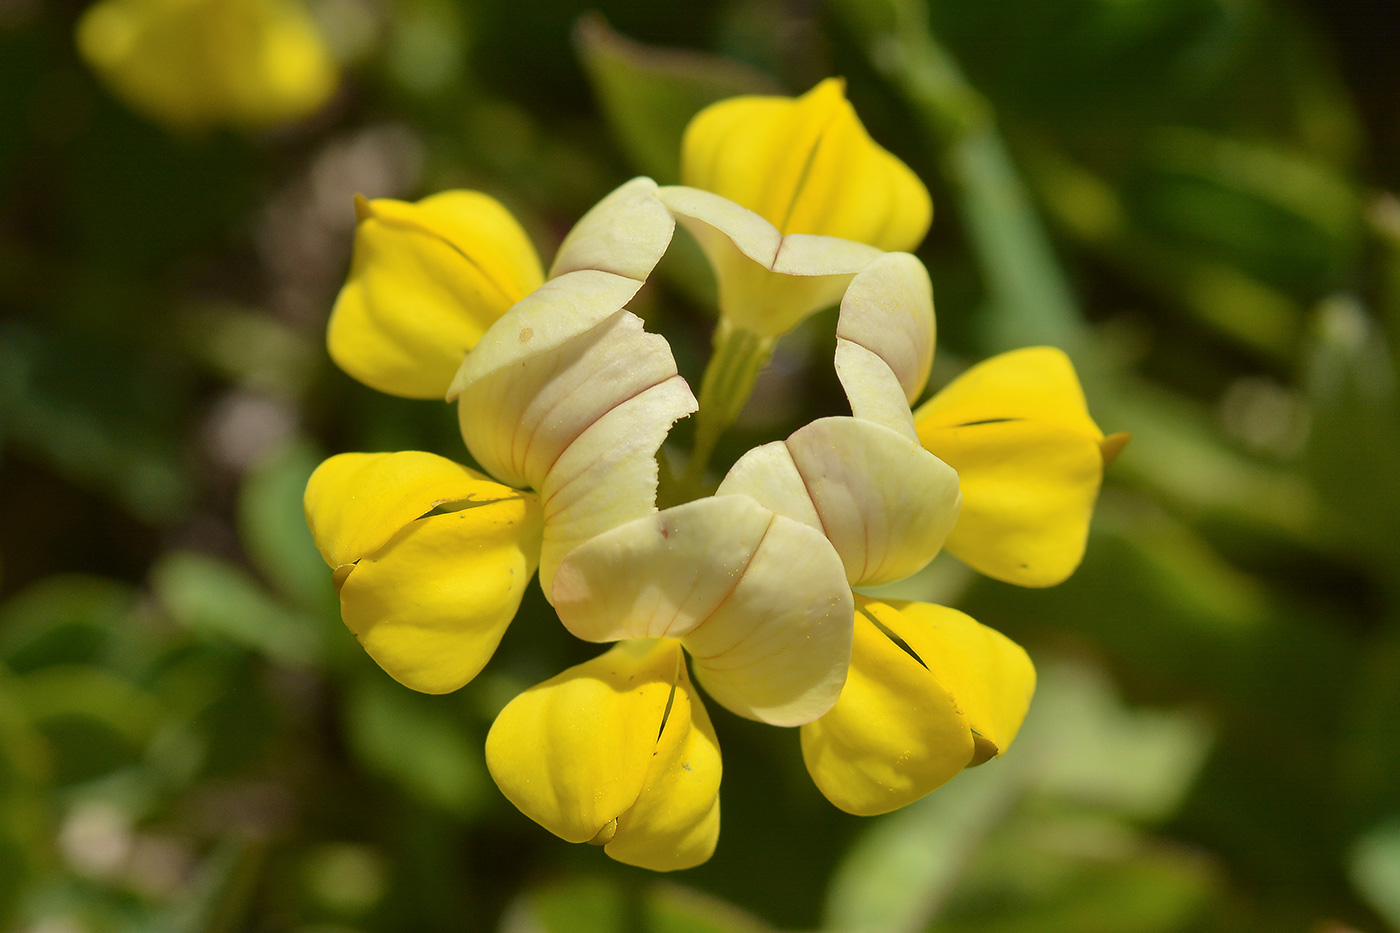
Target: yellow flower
x: 564, y: 401
x: 805, y: 166
x: 928, y: 691
x: 1030, y: 460
x: 195, y: 64
x: 619, y: 752
x: 428, y: 279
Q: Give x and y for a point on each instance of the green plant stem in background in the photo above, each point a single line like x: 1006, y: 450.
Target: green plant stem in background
x: 739, y: 357
x: 1033, y: 299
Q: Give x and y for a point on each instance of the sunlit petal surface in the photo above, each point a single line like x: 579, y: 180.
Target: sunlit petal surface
x: 426, y: 281
x: 886, y: 315
x: 196, y: 64
x: 1029, y: 459
x: 806, y: 165
x: 894, y: 735
x: 428, y: 595
x: 949, y: 693
x: 626, y: 234
x: 759, y: 600
x: 768, y: 282
x: 585, y: 755
x: 568, y: 395
x: 885, y: 504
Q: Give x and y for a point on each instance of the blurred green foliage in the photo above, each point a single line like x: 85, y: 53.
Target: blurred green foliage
x: 1187, y: 195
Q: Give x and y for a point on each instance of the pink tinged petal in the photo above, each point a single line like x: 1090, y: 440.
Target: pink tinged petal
x: 886, y: 504
x: 768, y: 282
x: 626, y: 234
x: 758, y: 599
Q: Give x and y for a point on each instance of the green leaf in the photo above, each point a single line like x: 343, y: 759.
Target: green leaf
x: 649, y: 95
x: 272, y: 527
x: 595, y: 905
x: 220, y: 601
x: 1374, y: 868
x: 417, y: 742
x: 1079, y: 751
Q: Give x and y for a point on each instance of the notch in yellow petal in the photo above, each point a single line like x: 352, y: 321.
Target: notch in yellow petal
x: 807, y: 165
x: 930, y: 692
x: 1029, y: 460
x: 428, y: 595
x: 195, y: 64
x: 426, y: 281
x: 617, y: 752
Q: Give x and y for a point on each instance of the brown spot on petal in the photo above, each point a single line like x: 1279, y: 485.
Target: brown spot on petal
x: 526, y: 334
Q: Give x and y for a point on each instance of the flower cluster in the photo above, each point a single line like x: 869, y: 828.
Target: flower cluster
x: 752, y: 586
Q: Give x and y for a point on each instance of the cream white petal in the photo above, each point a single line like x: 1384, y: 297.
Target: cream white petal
x: 768, y: 282
x: 886, y: 504
x: 626, y: 234
x: 560, y: 360
x: 758, y: 599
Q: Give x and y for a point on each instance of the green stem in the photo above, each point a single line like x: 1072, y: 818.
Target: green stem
x: 739, y: 357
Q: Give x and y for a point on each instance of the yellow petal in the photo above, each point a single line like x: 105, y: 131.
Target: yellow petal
x: 884, y: 502
x: 428, y: 597
x: 768, y: 282
x: 989, y: 675
x: 894, y: 735
x: 910, y: 720
x: 193, y: 64
x: 675, y: 821
x: 356, y: 502
x: 426, y: 281
x: 806, y: 165
x: 1029, y: 460
x: 886, y: 315
x: 759, y: 600
x: 586, y: 756
x: 626, y: 234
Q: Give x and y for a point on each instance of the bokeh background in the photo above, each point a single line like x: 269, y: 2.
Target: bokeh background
x: 1192, y: 197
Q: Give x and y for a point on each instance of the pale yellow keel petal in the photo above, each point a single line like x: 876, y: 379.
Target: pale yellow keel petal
x: 608, y: 475
x: 1029, y: 458
x: 626, y: 234
x: 884, y: 502
x: 807, y: 165
x: 586, y: 756
x: 759, y: 600
x: 426, y: 281
x: 555, y: 364
x: 888, y: 311
x: 894, y: 735
x: 768, y: 282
